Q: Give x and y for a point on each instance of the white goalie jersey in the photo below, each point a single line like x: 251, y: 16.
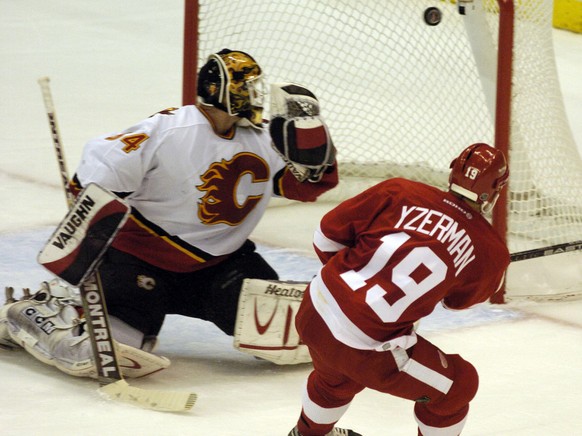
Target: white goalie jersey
x: 195, y: 195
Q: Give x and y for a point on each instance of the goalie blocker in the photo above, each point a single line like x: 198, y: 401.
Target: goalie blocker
x: 265, y: 322
x: 299, y: 133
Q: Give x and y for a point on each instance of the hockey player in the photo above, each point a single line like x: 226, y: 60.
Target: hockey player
x: 390, y: 255
x: 198, y: 179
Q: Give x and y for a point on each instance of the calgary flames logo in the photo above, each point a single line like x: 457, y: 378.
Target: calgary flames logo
x: 222, y: 187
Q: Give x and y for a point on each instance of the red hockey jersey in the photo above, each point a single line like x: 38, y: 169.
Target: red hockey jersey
x: 392, y: 253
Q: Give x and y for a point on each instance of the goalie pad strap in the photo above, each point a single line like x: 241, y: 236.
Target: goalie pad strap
x: 265, y: 321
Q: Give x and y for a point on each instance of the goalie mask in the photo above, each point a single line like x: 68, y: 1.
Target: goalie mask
x: 479, y: 174
x: 233, y: 82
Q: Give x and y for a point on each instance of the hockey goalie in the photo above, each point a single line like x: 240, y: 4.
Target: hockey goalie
x: 54, y: 324
x: 198, y: 179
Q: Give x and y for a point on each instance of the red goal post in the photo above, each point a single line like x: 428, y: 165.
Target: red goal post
x: 403, y: 96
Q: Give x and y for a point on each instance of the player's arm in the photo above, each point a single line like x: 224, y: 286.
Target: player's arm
x: 302, y: 139
x: 325, y: 246
x: 286, y: 185
x: 341, y: 226
x: 471, y: 295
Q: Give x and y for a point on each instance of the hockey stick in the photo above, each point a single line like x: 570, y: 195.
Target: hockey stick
x: 106, y: 359
x: 546, y: 251
x: 56, y: 137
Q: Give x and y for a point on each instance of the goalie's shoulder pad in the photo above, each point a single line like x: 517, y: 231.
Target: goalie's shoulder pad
x: 299, y: 133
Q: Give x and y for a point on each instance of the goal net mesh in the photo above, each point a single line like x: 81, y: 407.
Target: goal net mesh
x: 403, y: 98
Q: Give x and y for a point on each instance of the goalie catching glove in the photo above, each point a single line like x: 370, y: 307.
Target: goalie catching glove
x: 299, y: 133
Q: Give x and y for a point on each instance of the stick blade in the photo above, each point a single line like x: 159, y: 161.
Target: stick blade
x: 163, y: 401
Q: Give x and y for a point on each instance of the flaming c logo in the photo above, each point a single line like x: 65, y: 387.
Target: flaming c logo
x: 221, y: 183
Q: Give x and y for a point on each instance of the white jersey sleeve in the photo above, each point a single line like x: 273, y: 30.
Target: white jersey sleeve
x: 120, y: 161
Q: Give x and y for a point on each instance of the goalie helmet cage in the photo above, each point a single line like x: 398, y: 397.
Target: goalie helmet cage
x: 403, y: 96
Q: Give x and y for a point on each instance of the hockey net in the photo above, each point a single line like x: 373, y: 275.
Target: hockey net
x: 403, y: 97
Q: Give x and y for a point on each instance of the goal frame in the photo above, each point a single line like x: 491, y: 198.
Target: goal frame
x: 502, y: 122
x: 500, y: 105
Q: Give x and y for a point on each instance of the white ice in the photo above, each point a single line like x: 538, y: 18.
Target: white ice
x: 111, y: 63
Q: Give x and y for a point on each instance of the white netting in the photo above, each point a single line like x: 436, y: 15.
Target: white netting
x: 403, y: 98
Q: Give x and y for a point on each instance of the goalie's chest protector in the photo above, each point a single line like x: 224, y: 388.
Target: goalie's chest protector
x: 209, y: 191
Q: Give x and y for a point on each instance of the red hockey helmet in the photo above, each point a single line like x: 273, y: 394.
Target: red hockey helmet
x: 479, y: 174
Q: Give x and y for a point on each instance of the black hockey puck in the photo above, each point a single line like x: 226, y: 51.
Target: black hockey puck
x: 432, y: 16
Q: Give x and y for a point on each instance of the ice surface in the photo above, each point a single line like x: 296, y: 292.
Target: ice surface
x: 111, y: 63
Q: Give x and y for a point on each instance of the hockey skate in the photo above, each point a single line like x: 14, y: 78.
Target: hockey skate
x: 50, y: 328
x: 335, y: 432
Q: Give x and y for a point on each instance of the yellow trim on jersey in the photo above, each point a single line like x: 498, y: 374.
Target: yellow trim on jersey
x: 280, y: 183
x: 166, y: 239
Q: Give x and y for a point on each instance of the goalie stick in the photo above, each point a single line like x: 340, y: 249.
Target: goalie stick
x: 95, y: 236
x: 56, y: 137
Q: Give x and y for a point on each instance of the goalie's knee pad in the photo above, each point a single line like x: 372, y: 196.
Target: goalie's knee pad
x: 51, y: 330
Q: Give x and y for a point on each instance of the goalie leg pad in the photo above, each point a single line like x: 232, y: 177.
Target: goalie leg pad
x: 265, y: 322
x: 50, y: 329
x: 135, y: 362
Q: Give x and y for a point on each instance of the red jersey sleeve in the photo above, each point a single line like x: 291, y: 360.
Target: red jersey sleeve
x: 481, y: 280
x: 286, y: 185
x: 341, y: 226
